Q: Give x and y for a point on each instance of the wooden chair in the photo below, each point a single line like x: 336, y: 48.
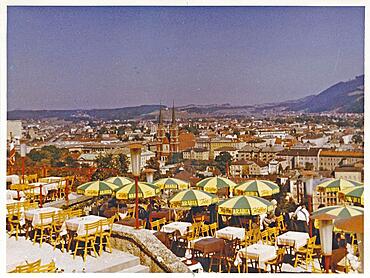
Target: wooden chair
x: 14, y: 220
x: 131, y: 212
x: 89, y: 239
x: 231, y: 251
x: 47, y: 268
x: 30, y: 193
x: 272, y: 234
x: 265, y: 237
x: 75, y: 213
x: 105, y: 234
x: 29, y: 206
x: 162, y: 221
x: 27, y: 268
x: 276, y: 262
x: 280, y: 224
x: 205, y: 230
x: 155, y: 225
x: 198, y: 228
x: 213, y: 228
x: 46, y: 220
x: 62, y: 184
x: 305, y: 253
x: 199, y: 218
x: 31, y: 178
x: 58, y: 220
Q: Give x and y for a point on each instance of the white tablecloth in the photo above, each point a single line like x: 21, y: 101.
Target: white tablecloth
x: 182, y: 227
x: 34, y: 215
x: 46, y: 187
x: 258, y: 251
x: 78, y: 224
x: 12, y: 194
x: 51, y: 179
x: 231, y: 233
x: 293, y: 239
x: 14, y: 179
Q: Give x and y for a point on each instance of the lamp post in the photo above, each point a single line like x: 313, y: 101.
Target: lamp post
x: 23, y: 156
x: 135, y: 152
x: 326, y: 238
x: 309, y: 192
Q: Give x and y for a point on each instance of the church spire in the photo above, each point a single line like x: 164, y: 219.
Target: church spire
x: 173, y: 112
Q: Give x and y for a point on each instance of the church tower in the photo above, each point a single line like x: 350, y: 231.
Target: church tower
x: 174, y: 133
x: 161, y: 134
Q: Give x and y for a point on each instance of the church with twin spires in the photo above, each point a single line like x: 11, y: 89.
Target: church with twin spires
x: 167, y: 137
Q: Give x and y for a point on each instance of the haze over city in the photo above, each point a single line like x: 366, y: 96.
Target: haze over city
x: 107, y: 57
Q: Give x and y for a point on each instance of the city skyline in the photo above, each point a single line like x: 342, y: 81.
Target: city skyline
x: 107, y: 57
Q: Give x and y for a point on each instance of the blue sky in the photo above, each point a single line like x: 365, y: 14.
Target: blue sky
x: 108, y: 57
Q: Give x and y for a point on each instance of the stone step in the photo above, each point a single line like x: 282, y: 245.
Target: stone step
x: 136, y: 269
x: 117, y: 263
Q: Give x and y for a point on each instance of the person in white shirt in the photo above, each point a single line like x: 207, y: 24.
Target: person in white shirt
x: 302, y: 218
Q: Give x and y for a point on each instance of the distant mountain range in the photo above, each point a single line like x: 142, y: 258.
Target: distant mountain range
x: 343, y: 97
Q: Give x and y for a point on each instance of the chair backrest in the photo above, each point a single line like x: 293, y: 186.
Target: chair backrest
x: 213, y: 228
x: 162, y: 221
x: 280, y: 223
x: 75, y: 213
x: 131, y: 212
x: 28, y: 267
x: 199, y: 218
x: 265, y: 236
x: 31, y: 178
x: 92, y: 228
x: 29, y: 206
x: 50, y: 267
x: 272, y: 234
x: 58, y: 219
x: 197, y: 228
x: 155, y: 225
x: 46, y: 218
x: 107, y: 222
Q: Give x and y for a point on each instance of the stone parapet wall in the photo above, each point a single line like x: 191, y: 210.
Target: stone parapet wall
x: 151, y: 251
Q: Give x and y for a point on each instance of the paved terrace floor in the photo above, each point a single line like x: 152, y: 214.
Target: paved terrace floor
x: 117, y: 261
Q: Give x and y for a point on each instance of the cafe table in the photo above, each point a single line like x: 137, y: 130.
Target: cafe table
x: 182, y: 227
x: 45, y: 187
x: 292, y: 239
x: 209, y: 245
x: 33, y: 215
x: 231, y: 233
x: 258, y: 252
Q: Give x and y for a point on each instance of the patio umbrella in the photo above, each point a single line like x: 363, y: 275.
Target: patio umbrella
x: 213, y: 184
x: 145, y: 190
x: 120, y: 181
x: 337, y: 212
x: 171, y: 183
x: 244, y: 206
x: 193, y: 198
x: 335, y: 185
x: 260, y: 188
x: 97, y: 188
x: 353, y: 194
x: 353, y: 224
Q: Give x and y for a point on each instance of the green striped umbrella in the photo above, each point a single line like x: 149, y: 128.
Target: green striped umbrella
x: 335, y: 185
x: 260, y: 188
x: 145, y: 190
x: 245, y: 205
x: 337, y: 212
x: 193, y: 198
x: 353, y: 194
x: 213, y: 184
x: 171, y: 183
x: 120, y: 181
x: 97, y: 188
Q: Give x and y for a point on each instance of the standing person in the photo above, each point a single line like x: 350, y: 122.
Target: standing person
x: 302, y: 216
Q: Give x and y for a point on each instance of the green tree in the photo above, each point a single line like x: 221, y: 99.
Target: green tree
x: 221, y: 160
